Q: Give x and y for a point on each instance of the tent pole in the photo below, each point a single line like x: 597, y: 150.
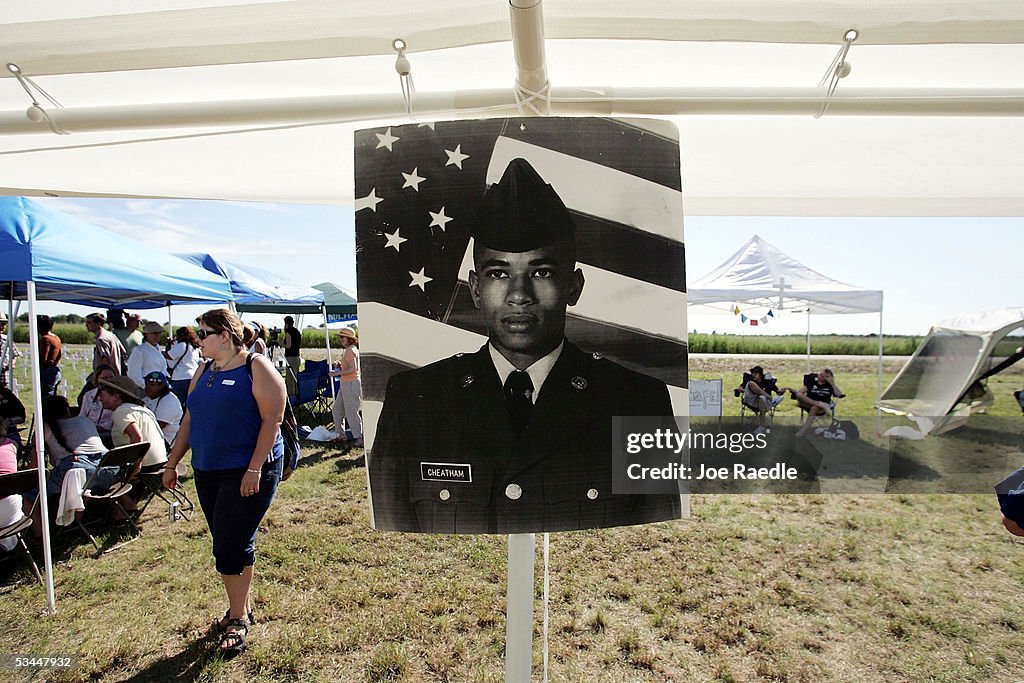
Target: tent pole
x: 327, y: 340
x: 878, y: 404
x: 8, y: 349
x: 37, y: 416
x: 808, y: 339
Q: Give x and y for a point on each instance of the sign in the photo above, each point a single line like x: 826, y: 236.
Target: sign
x: 705, y: 398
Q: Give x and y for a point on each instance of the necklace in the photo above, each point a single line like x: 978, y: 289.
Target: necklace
x: 214, y: 369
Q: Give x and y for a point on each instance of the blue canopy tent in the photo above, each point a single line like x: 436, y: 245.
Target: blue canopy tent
x: 253, y: 286
x: 46, y: 254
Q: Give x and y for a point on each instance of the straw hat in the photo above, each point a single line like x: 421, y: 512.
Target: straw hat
x: 152, y: 327
x: 129, y: 390
x: 348, y: 332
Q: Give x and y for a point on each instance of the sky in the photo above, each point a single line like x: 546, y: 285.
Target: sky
x: 929, y: 269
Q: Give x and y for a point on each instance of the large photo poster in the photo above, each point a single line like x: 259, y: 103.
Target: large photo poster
x: 521, y: 283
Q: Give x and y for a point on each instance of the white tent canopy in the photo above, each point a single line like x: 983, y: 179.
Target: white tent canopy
x: 261, y: 91
x: 955, y: 355
x: 759, y: 274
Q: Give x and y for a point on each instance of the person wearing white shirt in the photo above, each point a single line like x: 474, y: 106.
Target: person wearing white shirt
x: 147, y: 356
x: 182, y: 361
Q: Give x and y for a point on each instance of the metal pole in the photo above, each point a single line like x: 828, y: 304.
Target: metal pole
x: 519, y: 620
x: 878, y: 404
x: 37, y: 415
x: 808, y: 338
x: 327, y: 340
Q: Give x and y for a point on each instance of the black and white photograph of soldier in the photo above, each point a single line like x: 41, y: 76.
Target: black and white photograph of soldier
x: 509, y: 428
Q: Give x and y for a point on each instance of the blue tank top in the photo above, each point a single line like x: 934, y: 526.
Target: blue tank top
x: 224, y: 421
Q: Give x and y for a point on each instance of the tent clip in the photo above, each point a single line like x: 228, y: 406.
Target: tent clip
x: 36, y: 113
x: 839, y: 68
x: 404, y: 69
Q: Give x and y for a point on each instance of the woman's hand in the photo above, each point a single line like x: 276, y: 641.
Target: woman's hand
x: 250, y: 483
x: 170, y: 477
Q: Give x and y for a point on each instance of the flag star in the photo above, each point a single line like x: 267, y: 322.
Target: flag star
x: 395, y: 240
x: 456, y: 157
x: 370, y: 201
x: 386, y: 140
x: 420, y: 279
x: 413, y: 179
x: 438, y: 219
x: 427, y: 125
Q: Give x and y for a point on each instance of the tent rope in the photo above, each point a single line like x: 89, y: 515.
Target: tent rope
x: 839, y: 68
x: 36, y: 113
x: 404, y: 69
x: 526, y: 105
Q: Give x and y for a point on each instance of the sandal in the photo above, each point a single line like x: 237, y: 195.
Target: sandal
x: 218, y: 626
x: 233, y: 640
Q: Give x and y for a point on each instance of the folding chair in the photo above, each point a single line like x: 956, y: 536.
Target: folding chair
x: 770, y: 385
x: 311, y: 405
x: 127, y: 459
x: 152, y: 484
x: 17, y: 483
x: 812, y: 378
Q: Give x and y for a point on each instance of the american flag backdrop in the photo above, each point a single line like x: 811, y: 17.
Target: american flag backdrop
x: 417, y: 187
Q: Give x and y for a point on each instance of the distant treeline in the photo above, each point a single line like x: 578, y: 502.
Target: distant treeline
x: 823, y: 345
x: 74, y: 332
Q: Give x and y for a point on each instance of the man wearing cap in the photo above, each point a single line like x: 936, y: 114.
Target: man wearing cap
x: 108, y: 349
x: 147, y: 356
x: 516, y: 437
x: 163, y: 403
x: 132, y: 421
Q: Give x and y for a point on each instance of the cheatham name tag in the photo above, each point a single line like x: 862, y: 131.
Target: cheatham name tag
x: 445, y: 471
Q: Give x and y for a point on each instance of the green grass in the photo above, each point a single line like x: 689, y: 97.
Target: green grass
x: 823, y: 345
x: 800, y: 588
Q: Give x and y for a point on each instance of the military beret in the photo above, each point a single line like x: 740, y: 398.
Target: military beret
x: 521, y: 212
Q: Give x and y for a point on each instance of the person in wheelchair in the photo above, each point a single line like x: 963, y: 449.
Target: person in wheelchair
x: 757, y: 389
x: 816, y: 396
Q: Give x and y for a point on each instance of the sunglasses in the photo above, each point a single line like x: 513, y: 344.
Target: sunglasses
x: 203, y: 334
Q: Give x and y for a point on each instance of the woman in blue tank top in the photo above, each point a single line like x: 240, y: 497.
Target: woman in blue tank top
x: 232, y: 425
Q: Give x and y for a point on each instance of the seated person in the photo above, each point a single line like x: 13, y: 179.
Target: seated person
x: 133, y: 422
x: 10, y: 506
x: 816, y: 396
x: 757, y: 389
x: 12, y: 414
x: 70, y: 443
x: 89, y: 404
x: 165, y: 405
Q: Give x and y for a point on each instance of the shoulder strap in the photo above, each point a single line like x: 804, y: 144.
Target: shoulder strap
x: 248, y: 364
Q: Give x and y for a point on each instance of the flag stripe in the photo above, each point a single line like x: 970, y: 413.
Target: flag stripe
x: 631, y: 252
x: 597, y: 190
x: 647, y: 149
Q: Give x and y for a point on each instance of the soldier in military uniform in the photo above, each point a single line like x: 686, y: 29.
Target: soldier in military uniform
x: 516, y: 437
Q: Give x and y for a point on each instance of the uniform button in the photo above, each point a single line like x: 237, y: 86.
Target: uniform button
x: 513, y: 491
x: 592, y: 494
x: 444, y: 494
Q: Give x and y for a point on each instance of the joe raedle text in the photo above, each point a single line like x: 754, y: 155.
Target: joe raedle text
x: 701, y: 472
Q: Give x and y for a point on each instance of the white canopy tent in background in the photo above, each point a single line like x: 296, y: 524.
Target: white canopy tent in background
x: 260, y: 91
x: 765, y: 277
x: 955, y: 355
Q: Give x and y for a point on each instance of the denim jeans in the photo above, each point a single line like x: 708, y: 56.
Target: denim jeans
x: 49, y: 380
x: 233, y: 520
x: 103, y: 481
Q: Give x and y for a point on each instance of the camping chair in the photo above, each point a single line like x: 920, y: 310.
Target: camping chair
x: 809, y: 379
x: 127, y: 458
x: 312, y: 404
x: 152, y: 484
x: 771, y: 386
x: 17, y: 483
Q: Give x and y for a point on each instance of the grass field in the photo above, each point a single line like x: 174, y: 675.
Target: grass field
x: 799, y: 588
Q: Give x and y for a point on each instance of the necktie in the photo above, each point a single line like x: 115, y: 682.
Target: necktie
x: 518, y: 390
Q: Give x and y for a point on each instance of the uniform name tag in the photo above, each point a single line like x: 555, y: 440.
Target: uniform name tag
x: 445, y: 471
x: 228, y: 382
